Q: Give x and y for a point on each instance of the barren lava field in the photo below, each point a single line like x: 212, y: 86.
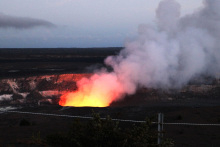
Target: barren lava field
x: 32, y: 80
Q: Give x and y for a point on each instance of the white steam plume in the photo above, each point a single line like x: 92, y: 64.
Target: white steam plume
x: 166, y: 56
x: 174, y: 52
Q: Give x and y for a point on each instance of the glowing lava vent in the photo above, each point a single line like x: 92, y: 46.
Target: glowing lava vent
x: 97, y: 91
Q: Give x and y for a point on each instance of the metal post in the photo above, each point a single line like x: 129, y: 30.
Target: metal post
x: 160, y: 128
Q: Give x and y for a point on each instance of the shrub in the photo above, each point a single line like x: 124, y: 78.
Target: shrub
x: 24, y: 122
x: 179, y: 117
x: 98, y: 132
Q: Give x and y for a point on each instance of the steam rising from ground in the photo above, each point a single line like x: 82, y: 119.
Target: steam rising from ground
x: 165, y: 56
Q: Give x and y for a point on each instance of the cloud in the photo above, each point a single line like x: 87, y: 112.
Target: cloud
x: 7, y: 21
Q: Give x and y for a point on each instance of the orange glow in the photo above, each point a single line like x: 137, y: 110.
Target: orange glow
x: 80, y: 100
x: 74, y: 77
x: 97, y: 91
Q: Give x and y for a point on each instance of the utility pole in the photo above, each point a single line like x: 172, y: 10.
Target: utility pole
x: 160, y: 128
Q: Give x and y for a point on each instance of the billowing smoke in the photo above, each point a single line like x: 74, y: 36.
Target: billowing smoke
x: 165, y: 56
x: 7, y: 21
x: 174, y: 52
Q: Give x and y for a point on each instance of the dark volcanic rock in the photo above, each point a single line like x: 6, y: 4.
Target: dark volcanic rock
x: 44, y: 85
x: 67, y: 86
x: 33, y: 97
x: 5, y: 88
x: 23, y: 85
x: 17, y: 96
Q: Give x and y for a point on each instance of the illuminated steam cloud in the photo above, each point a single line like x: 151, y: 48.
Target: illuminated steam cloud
x: 7, y: 21
x: 166, y: 56
x: 177, y: 50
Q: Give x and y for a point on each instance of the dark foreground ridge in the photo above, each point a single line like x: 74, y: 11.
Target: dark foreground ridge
x: 27, y: 129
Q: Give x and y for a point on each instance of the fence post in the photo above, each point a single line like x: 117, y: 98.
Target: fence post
x: 160, y: 128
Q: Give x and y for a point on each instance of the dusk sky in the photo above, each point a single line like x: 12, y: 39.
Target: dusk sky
x: 76, y: 23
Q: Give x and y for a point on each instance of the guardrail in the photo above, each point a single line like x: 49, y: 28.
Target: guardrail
x: 160, y: 121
